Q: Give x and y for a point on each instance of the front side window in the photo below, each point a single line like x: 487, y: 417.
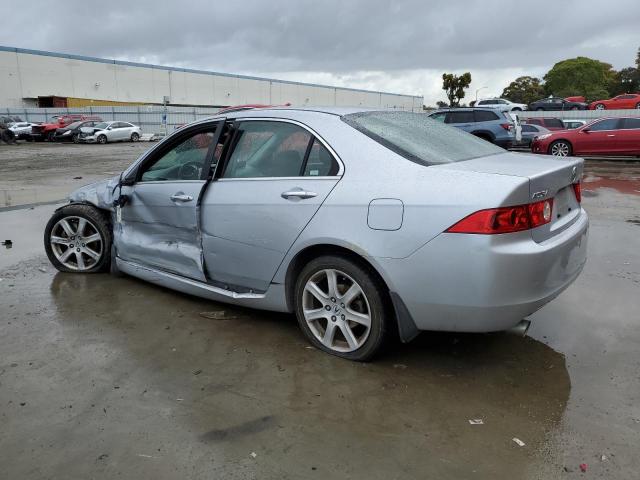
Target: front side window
x: 267, y: 149
x: 185, y: 161
x: 608, y: 124
x: 419, y: 138
x: 529, y: 128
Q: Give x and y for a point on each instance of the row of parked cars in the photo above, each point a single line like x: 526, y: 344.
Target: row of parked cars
x: 557, y: 104
x: 74, y: 128
x: 604, y: 136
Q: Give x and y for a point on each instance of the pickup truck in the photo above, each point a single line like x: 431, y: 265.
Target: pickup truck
x: 47, y: 131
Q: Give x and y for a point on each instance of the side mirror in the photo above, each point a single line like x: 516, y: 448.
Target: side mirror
x: 586, y: 130
x: 130, y: 179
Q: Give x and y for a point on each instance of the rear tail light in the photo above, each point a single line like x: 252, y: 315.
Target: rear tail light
x: 506, y: 126
x: 577, y: 189
x: 505, y: 219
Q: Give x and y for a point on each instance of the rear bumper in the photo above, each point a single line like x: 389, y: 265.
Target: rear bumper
x: 483, y: 283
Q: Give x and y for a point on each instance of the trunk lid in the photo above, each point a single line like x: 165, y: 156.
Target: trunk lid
x: 549, y: 177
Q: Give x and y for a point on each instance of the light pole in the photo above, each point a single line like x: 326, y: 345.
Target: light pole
x: 478, y: 91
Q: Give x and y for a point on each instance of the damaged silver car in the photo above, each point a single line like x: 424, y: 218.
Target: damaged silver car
x: 360, y: 222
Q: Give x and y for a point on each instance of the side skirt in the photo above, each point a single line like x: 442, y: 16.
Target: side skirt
x: 273, y: 299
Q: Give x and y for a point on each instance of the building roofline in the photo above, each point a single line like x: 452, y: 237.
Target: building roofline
x: 188, y: 70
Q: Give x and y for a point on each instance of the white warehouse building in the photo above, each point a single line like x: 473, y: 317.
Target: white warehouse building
x: 33, y: 78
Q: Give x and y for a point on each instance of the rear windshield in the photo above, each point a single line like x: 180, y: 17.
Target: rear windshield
x: 420, y: 139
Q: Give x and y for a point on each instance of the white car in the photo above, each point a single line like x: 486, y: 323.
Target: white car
x: 21, y: 129
x: 104, y: 132
x: 572, y: 124
x: 501, y: 104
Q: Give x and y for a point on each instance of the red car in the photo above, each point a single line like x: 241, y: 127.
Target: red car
x: 605, y: 136
x: 47, y: 131
x: 621, y: 102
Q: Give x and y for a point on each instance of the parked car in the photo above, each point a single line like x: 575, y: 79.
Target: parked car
x: 105, y: 132
x: 530, y: 132
x: 6, y: 134
x: 570, y: 124
x: 548, y: 123
x: 555, y: 104
x: 9, y: 120
x: 605, y: 136
x: 500, y: 104
x: 47, y: 130
x: 71, y: 133
x: 22, y: 130
x: 578, y: 98
x: 621, y: 102
x: 490, y: 125
x: 360, y: 222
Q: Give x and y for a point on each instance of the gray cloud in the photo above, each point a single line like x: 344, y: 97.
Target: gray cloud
x: 344, y: 39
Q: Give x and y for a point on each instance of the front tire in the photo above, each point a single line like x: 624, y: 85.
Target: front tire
x: 638, y: 106
x: 75, y: 138
x: 600, y: 106
x: 102, y: 139
x: 51, y: 136
x: 560, y: 148
x: 78, y: 239
x: 341, y: 308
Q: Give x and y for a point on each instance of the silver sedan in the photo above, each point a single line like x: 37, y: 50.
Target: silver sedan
x: 360, y: 222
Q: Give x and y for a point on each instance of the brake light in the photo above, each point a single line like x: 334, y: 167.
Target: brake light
x: 577, y: 189
x: 506, y: 126
x: 505, y: 219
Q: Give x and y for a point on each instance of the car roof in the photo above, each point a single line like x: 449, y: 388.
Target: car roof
x: 292, y: 112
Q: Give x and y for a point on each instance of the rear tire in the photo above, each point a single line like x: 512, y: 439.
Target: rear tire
x: 638, y: 106
x: 135, y: 137
x: 51, y: 136
x: 539, y: 109
x: 341, y: 308
x: 75, y: 138
x: 560, y: 148
x: 484, y: 137
x: 78, y: 239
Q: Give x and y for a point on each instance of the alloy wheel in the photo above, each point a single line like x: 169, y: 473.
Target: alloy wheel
x: 600, y: 106
x: 560, y: 149
x: 76, y: 243
x: 336, y: 310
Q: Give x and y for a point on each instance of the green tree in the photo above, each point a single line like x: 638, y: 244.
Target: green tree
x: 454, y: 86
x: 626, y: 80
x: 524, y: 90
x: 579, y: 76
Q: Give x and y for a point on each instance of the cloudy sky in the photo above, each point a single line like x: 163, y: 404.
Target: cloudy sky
x: 396, y: 46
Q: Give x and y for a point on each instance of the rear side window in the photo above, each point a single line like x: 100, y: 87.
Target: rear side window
x: 529, y: 128
x: 630, y: 123
x: 460, y: 117
x: 439, y: 116
x: 484, y: 116
x: 420, y: 139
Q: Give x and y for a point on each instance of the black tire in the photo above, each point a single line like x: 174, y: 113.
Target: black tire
x: 539, y: 109
x: 51, y: 136
x: 574, y: 108
x: 75, y: 138
x: 517, y: 109
x: 557, y: 143
x: 135, y: 137
x: 600, y: 106
x: 98, y: 219
x: 102, y: 139
x: 638, y: 106
x: 374, y: 291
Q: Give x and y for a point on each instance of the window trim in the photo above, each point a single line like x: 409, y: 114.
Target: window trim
x: 313, y: 133
x: 164, y: 147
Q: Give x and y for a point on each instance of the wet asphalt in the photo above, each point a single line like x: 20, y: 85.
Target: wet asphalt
x: 106, y: 377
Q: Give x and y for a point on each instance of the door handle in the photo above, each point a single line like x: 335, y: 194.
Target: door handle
x: 181, y: 197
x: 610, y: 135
x: 298, y: 193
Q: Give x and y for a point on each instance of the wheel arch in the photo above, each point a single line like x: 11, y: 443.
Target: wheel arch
x: 559, y: 140
x: 484, y: 134
x: 405, y: 325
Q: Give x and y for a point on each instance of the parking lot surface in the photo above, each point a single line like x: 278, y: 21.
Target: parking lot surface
x: 105, y: 377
